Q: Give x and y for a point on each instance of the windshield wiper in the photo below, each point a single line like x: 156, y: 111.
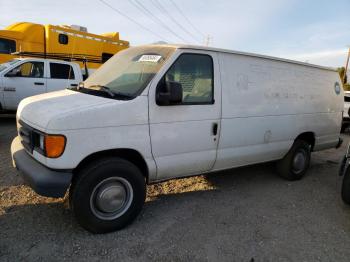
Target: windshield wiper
x: 101, y: 88
x: 104, y: 89
x: 112, y: 93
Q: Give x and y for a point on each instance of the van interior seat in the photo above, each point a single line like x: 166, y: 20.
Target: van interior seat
x: 201, y: 91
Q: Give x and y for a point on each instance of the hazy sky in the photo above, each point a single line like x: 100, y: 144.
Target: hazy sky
x: 313, y: 31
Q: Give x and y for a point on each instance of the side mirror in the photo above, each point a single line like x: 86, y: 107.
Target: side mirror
x: 169, y: 93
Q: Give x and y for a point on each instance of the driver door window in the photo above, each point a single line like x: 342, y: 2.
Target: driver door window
x: 195, y: 74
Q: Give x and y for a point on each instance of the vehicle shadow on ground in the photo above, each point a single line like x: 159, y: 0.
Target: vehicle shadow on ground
x: 224, y: 187
x: 239, y: 200
x: 55, y: 217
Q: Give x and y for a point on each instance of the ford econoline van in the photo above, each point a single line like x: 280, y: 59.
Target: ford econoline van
x: 158, y: 112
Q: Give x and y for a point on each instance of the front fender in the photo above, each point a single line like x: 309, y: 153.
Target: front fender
x: 82, y: 143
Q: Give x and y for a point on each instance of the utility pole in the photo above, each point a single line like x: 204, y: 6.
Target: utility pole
x: 207, y: 40
x: 346, y: 66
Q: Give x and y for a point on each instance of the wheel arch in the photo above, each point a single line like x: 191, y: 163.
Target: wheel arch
x: 128, y: 154
x: 308, y: 137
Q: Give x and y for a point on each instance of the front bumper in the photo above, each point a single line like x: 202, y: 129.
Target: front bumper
x: 44, y: 181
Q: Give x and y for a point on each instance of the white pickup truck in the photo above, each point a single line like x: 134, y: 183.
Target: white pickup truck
x: 24, y: 77
x: 159, y: 112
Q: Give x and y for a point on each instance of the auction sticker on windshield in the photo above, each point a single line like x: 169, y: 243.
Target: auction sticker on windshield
x: 150, y: 58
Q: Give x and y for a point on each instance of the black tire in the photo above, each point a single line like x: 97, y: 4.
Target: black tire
x: 109, y: 172
x: 343, y: 128
x: 345, y: 189
x: 286, y: 167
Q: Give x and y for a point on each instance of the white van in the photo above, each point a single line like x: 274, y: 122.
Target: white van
x: 158, y: 112
x: 24, y: 77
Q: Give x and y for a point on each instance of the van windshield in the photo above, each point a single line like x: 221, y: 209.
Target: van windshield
x: 129, y: 72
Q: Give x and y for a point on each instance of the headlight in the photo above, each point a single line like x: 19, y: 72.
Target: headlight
x: 42, y: 142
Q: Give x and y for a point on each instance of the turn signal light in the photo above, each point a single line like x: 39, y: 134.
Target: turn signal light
x: 54, y: 145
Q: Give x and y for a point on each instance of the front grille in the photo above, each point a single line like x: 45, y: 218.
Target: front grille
x: 26, y: 134
x: 29, y: 136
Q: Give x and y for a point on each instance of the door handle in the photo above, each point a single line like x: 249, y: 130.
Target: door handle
x: 38, y: 83
x: 73, y: 84
x: 215, y: 129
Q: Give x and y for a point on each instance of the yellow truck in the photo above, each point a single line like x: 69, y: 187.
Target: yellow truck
x: 59, y: 42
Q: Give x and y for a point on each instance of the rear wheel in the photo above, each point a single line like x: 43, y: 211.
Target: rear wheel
x: 295, y: 164
x: 345, y: 191
x: 107, y: 195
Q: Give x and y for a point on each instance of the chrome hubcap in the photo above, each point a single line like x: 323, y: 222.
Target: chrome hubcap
x: 299, y: 162
x: 111, y: 198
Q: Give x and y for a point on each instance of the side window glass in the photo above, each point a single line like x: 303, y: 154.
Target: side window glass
x: 106, y: 56
x: 7, y: 46
x: 195, y: 74
x: 61, y: 71
x: 29, y: 69
x: 63, y: 39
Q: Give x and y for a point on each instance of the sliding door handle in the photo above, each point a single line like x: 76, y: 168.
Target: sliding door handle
x: 38, y: 83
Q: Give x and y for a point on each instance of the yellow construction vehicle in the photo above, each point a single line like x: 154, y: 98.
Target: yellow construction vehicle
x: 59, y: 42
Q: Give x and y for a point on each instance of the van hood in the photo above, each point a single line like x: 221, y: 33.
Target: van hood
x: 67, y: 110
x: 39, y: 110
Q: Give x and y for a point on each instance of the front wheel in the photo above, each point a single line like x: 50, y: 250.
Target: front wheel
x: 107, y: 195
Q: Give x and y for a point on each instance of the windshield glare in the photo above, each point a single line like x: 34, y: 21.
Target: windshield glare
x: 130, y: 70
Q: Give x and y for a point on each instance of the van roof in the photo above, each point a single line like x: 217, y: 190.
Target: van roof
x: 221, y: 50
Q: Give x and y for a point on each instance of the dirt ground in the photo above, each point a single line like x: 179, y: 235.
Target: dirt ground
x: 236, y: 215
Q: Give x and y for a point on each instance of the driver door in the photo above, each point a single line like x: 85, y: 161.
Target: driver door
x: 184, y: 136
x: 25, y: 80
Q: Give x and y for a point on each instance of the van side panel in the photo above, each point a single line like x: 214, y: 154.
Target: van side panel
x: 266, y: 104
